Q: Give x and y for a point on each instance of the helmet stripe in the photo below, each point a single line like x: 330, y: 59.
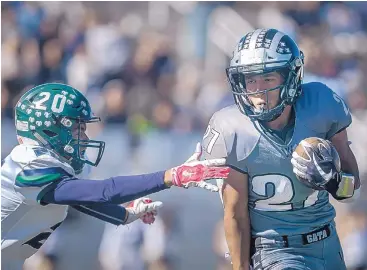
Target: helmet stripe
x: 275, y: 42
x: 269, y: 35
x: 253, y: 39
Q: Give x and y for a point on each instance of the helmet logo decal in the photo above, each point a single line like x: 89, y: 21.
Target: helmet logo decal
x: 69, y: 149
x: 283, y: 48
x: 22, y: 125
x: 244, y: 43
x: 66, y: 122
x: 292, y: 92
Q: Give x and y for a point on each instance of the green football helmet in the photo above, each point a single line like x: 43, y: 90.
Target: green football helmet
x: 48, y: 114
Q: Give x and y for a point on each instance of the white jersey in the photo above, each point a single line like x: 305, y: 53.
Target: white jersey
x: 26, y: 174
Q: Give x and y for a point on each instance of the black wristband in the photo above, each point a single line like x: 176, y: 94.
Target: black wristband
x: 333, y: 185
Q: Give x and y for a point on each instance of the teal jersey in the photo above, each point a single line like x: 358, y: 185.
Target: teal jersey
x: 278, y: 203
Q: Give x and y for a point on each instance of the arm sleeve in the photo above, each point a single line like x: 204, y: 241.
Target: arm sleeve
x: 111, y: 213
x: 115, y: 190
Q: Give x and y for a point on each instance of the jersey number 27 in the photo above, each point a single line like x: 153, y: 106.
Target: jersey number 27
x: 282, y: 195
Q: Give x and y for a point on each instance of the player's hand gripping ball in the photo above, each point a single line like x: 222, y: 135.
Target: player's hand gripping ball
x: 315, y: 162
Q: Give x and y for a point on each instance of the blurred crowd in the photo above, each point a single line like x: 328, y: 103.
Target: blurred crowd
x: 155, y: 73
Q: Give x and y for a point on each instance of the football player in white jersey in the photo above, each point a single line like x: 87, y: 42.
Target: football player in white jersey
x: 41, y: 177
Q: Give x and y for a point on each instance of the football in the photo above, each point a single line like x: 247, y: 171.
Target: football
x: 311, y: 142
x: 320, y: 156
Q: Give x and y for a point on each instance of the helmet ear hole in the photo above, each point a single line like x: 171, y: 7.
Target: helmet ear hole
x: 302, y: 56
x: 283, y: 93
x: 284, y: 72
x: 49, y: 133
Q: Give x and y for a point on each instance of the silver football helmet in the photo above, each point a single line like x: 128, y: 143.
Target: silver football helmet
x: 260, y: 52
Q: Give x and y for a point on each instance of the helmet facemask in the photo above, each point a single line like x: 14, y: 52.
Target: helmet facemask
x: 80, y: 149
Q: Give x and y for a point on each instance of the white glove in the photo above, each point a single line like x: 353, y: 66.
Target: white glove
x: 193, y: 172
x: 321, y: 166
x: 144, y: 209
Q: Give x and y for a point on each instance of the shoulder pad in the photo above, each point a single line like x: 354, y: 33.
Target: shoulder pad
x: 236, y: 130
x: 39, y: 166
x: 322, y: 109
x: 316, y: 95
x: 313, y: 92
x: 23, y: 154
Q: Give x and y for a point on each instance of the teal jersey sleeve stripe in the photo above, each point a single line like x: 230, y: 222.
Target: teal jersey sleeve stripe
x: 37, y: 181
x: 45, y: 190
x: 40, y: 177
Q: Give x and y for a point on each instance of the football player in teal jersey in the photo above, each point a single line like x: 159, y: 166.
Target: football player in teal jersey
x: 272, y: 220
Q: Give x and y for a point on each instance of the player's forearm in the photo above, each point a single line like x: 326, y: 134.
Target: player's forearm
x: 341, y: 187
x: 349, y: 165
x: 116, y: 190
x: 111, y: 213
x: 347, y: 158
x: 237, y: 231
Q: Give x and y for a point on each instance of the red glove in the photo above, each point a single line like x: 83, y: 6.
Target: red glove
x: 193, y: 172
